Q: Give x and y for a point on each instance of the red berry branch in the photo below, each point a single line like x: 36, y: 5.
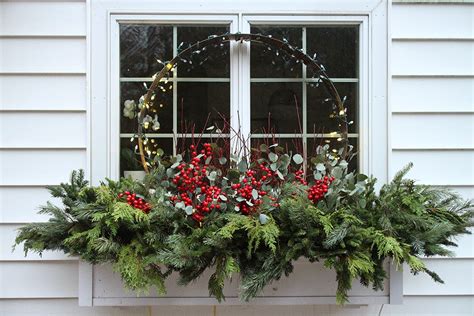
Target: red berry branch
x: 194, y: 187
x: 135, y: 201
x: 319, y: 189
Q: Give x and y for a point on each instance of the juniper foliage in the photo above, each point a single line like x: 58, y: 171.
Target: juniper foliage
x: 354, y: 230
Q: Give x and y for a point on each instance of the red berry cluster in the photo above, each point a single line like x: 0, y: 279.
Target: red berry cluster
x: 193, y: 176
x: 250, y: 183
x: 319, y: 189
x: 299, y: 176
x: 136, y: 202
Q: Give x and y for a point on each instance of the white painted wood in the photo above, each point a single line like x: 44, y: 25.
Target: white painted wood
x: 467, y: 192
x: 429, y: 166
x: 20, y: 204
x: 433, y: 21
x: 421, y: 94
x: 44, y: 92
x: 42, y: 55
x: 85, y: 283
x: 433, y: 58
x: 328, y: 7
x: 413, y: 306
x: 104, y: 79
x: 37, y: 130
x: 8, y: 233
x: 38, y: 280
x: 429, y: 306
x: 308, y: 284
x: 66, y: 306
x: 433, y: 131
x: 39, y: 167
x: 458, y: 276
x: 42, y: 18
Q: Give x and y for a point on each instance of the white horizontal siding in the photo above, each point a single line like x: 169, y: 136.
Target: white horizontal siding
x: 63, y: 307
x: 428, y: 94
x: 42, y: 19
x: 437, y: 167
x: 43, y: 92
x: 42, y: 55
x: 39, y: 167
x: 432, y: 58
x: 432, y: 101
x: 7, y: 253
x: 433, y: 21
x: 20, y: 204
x: 413, y: 306
x: 38, y: 279
x: 457, y: 275
x: 39, y: 130
x: 432, y: 131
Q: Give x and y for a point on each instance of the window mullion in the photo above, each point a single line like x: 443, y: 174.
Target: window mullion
x: 175, y: 91
x: 304, y: 97
x: 241, y: 113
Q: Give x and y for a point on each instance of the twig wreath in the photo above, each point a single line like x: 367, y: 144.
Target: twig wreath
x: 252, y: 215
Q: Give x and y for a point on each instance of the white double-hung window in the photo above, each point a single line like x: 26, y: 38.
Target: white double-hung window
x: 257, y: 89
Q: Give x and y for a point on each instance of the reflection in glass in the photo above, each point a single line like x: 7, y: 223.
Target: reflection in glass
x: 275, y: 107
x: 129, y: 154
x: 162, y: 104
x: 266, y: 62
x: 201, y: 105
x: 319, y: 110
x: 334, y: 146
x: 141, y: 46
x: 336, y: 47
x: 208, y: 62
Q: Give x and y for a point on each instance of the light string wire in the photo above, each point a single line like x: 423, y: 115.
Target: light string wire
x: 284, y: 46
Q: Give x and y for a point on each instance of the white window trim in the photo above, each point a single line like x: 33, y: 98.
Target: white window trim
x: 374, y: 119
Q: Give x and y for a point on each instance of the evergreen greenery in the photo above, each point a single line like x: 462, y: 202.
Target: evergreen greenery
x: 354, y: 229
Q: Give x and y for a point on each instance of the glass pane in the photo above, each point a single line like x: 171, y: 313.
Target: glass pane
x: 336, y: 48
x: 320, y: 111
x: 141, y: 46
x: 162, y: 107
x: 212, y: 62
x: 221, y: 141
x: 292, y: 144
x: 267, y: 62
x: 201, y: 105
x: 334, y: 146
x: 129, y: 154
x: 275, y: 107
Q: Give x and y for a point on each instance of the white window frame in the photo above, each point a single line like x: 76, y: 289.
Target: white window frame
x: 103, y: 78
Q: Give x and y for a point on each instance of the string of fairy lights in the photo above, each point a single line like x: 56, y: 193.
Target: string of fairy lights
x: 146, y: 111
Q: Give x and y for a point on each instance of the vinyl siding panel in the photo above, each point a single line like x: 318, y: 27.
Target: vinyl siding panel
x: 432, y: 58
x: 438, y: 131
x: 38, y: 279
x: 30, y: 130
x: 46, y: 92
x: 433, y: 21
x: 39, y: 166
x: 7, y: 239
x: 43, y: 123
x: 438, y: 167
x: 432, y: 101
x: 432, y: 95
x: 42, y: 19
x: 42, y: 55
x: 19, y: 204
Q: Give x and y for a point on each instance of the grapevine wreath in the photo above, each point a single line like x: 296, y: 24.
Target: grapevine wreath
x: 252, y: 213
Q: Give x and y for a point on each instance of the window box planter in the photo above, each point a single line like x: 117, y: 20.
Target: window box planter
x: 310, y: 283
